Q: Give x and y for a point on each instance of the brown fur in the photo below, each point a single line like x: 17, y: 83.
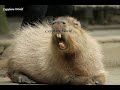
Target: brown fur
x: 37, y: 55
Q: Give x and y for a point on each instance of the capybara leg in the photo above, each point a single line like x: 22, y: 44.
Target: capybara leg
x: 20, y: 78
x: 79, y: 80
x: 95, y: 80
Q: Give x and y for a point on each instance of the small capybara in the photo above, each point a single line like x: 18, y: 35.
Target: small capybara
x: 57, y: 53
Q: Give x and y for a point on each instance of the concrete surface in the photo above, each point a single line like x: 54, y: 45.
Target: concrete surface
x: 113, y: 77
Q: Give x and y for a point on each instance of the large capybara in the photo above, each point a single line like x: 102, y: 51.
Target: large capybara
x: 57, y: 53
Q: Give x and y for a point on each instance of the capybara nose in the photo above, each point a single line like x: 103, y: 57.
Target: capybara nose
x: 58, y: 23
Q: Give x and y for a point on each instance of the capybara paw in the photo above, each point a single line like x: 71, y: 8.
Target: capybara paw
x: 92, y: 82
x: 96, y: 80
x: 25, y: 80
x: 17, y: 77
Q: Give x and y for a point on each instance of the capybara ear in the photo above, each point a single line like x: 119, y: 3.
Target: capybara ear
x: 49, y: 19
x: 77, y: 24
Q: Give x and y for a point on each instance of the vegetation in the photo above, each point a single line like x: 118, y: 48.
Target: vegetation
x: 3, y: 21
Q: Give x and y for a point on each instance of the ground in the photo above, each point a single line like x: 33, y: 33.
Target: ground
x: 111, y: 51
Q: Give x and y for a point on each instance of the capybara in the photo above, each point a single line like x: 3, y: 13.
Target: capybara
x: 58, y: 53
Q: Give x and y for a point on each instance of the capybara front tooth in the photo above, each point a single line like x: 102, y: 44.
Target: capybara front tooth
x: 59, y: 35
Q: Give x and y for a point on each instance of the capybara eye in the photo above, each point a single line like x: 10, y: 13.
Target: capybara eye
x: 64, y: 23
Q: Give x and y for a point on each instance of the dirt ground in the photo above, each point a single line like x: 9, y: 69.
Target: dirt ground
x: 111, y: 53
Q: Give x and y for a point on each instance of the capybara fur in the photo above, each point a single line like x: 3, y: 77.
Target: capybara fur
x: 58, y: 53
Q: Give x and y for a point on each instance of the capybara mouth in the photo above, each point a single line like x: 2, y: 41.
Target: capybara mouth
x: 61, y: 41
x: 59, y: 28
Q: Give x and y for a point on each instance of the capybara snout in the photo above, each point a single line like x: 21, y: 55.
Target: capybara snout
x: 66, y: 30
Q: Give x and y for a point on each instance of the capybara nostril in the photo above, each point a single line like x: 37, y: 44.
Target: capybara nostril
x: 53, y: 22
x: 59, y: 22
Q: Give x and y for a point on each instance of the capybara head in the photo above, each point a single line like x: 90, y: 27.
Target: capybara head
x: 66, y: 34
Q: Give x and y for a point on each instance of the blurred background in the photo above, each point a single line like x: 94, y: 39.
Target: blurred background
x: 101, y: 21
x: 92, y: 17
